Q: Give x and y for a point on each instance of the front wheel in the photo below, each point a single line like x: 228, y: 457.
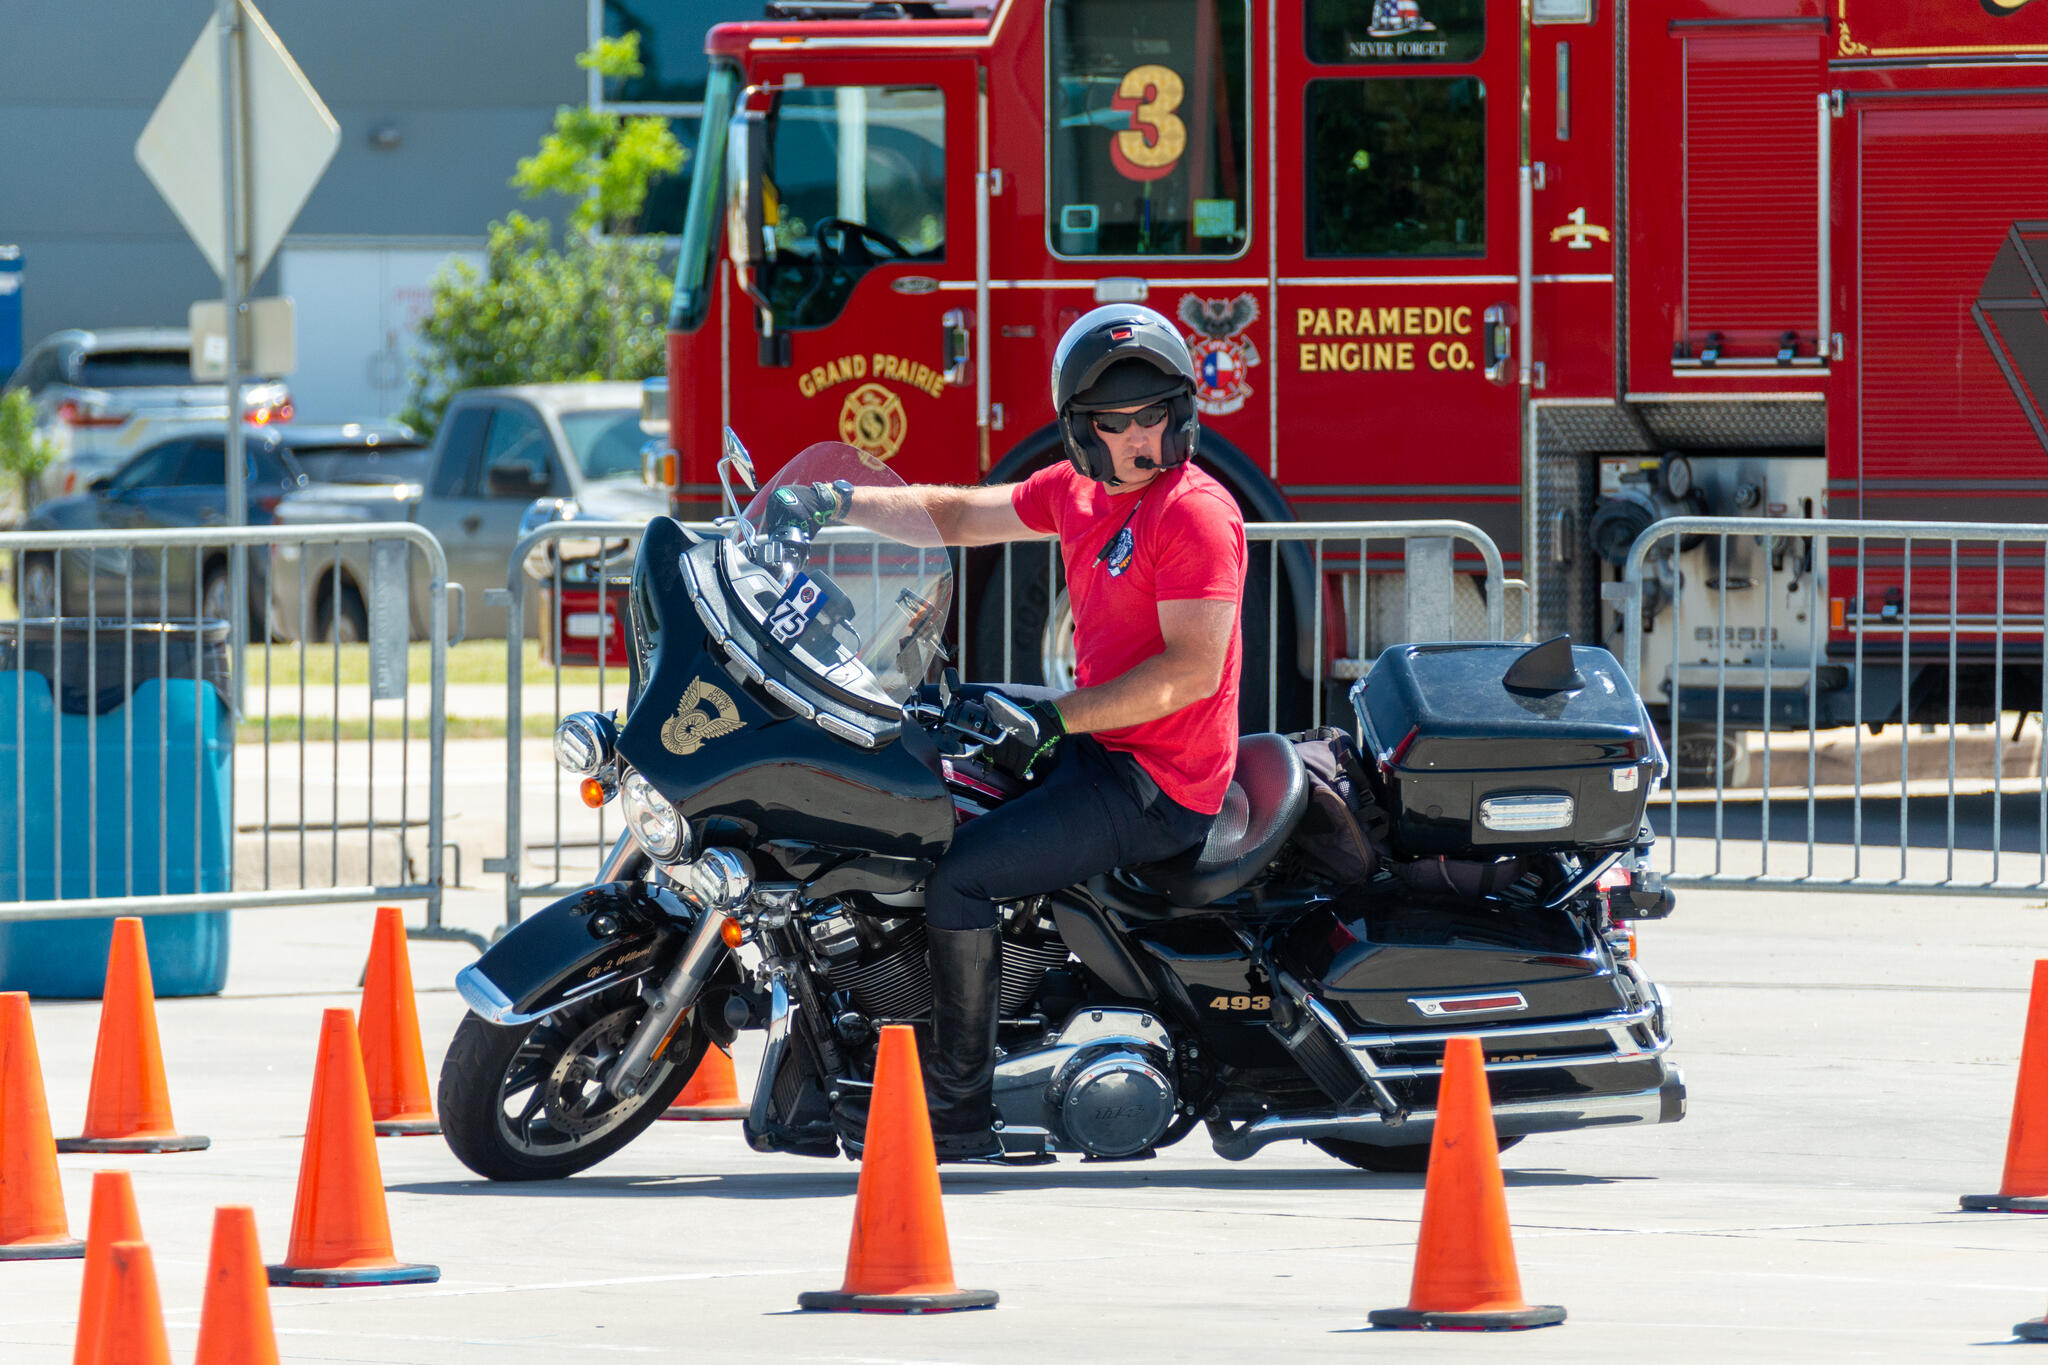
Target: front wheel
x: 528, y: 1102
x: 1410, y: 1160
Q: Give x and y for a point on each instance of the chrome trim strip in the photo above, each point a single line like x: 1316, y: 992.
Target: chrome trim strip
x: 789, y: 698
x: 483, y: 997
x: 1615, y: 1025
x: 832, y: 725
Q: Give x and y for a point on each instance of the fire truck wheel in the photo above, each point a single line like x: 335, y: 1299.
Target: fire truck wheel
x: 1041, y: 639
x: 1698, y: 761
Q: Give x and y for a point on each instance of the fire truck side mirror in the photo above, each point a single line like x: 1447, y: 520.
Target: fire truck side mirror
x: 746, y: 149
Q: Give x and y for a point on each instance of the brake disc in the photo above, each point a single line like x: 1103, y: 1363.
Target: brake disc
x: 577, y: 1102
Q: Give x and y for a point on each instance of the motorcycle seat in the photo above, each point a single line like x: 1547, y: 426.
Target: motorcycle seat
x: 1267, y: 798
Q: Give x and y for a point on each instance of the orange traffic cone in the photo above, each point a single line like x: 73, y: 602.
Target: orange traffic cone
x: 129, y: 1107
x: 234, y: 1323
x: 898, y: 1260
x: 393, y: 1061
x: 32, y: 1223
x: 713, y: 1091
x: 341, y: 1232
x: 1465, y: 1277
x: 113, y: 1220
x: 132, y: 1327
x: 2025, y: 1186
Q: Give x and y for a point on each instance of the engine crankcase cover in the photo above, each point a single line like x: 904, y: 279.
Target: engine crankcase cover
x: 1115, y: 1103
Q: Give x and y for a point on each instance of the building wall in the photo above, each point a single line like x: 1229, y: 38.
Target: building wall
x: 470, y: 86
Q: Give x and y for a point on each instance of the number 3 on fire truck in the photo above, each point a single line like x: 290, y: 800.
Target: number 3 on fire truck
x: 1151, y: 147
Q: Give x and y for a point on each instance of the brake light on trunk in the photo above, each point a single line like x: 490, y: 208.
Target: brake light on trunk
x: 73, y: 413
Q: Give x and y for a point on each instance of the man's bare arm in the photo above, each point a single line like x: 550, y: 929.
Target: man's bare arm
x: 963, y: 516
x: 1189, y: 669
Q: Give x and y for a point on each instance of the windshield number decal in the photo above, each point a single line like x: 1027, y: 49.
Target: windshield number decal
x: 1152, y: 146
x: 792, y: 615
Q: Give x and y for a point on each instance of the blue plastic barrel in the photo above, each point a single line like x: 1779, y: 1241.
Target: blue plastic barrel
x: 164, y: 753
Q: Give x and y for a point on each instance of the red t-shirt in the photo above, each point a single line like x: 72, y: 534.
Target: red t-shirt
x: 1184, y: 541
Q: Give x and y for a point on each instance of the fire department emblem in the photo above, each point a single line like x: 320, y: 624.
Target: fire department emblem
x: 692, y: 726
x: 873, y: 422
x: 1220, y: 350
x: 1394, y: 18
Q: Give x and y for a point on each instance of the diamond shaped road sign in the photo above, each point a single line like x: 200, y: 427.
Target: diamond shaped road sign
x: 287, y: 138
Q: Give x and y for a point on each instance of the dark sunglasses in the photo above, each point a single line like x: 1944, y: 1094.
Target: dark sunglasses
x: 1117, y: 423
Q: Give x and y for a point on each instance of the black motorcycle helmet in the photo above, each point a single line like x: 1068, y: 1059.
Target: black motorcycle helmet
x: 1116, y: 356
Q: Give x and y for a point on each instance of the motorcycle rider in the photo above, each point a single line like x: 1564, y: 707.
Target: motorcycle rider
x: 1136, y: 759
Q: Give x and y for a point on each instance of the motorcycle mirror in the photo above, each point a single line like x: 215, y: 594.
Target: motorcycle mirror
x: 736, y: 460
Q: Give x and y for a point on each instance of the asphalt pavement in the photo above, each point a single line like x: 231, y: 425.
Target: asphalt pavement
x: 1850, y: 1058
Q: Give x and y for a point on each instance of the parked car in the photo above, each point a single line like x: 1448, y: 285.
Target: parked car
x: 103, y: 395
x: 179, y: 481
x: 358, y: 452
x: 498, y: 450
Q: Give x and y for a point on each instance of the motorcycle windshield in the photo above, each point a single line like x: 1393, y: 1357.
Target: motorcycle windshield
x: 862, y: 606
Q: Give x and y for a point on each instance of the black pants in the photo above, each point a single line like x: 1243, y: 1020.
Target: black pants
x: 1095, y: 810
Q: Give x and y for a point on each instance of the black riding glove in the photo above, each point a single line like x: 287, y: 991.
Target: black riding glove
x: 808, y: 505
x: 1019, y: 753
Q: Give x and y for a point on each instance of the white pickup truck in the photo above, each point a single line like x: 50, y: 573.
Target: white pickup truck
x: 497, y: 450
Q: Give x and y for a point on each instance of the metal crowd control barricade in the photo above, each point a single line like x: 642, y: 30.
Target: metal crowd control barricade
x: 1444, y: 575
x: 317, y: 806
x: 1860, y: 723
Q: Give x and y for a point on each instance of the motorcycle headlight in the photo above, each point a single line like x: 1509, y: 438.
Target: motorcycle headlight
x: 584, y: 741
x: 655, y: 821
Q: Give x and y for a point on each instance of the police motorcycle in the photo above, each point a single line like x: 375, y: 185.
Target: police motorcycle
x: 788, y: 779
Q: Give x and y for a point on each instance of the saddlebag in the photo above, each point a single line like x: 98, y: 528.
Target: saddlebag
x: 1483, y: 748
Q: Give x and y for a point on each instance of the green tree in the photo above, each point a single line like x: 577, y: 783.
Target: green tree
x: 23, y: 453
x: 597, y: 308
x: 601, y: 160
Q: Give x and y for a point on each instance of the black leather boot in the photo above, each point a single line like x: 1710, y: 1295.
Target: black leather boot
x: 959, y: 1068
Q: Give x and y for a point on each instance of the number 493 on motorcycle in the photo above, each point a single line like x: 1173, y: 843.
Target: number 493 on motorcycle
x: 792, y: 615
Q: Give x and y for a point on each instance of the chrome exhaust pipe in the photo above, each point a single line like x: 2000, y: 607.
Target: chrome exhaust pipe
x: 1662, y: 1103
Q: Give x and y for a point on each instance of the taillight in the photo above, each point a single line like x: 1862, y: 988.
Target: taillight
x: 266, y: 414
x: 73, y: 413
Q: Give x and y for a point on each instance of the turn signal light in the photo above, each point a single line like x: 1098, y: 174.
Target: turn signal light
x: 1838, y: 613
x: 594, y: 792
x: 733, y: 933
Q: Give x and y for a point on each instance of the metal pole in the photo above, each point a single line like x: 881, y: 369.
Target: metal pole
x: 235, y: 289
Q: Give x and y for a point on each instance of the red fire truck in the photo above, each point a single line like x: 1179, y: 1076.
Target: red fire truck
x: 1556, y: 267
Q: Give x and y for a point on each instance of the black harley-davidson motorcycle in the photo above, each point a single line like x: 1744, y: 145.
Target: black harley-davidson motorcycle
x: 789, y: 778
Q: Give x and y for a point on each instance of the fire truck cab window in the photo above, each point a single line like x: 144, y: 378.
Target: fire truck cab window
x: 1354, y: 31
x: 857, y: 179
x: 1396, y: 167
x: 1149, y: 128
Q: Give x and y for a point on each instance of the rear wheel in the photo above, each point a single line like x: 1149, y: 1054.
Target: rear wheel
x: 37, y: 588
x: 1410, y: 1160
x: 215, y: 599
x: 528, y: 1102
x: 350, y: 624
